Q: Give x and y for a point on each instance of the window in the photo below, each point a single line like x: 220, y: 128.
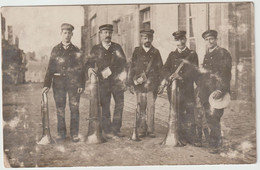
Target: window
x: 192, y: 26
x: 93, y: 31
x: 116, y: 26
x: 145, y: 16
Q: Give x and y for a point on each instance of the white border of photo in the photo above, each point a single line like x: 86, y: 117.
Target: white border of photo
x: 176, y: 167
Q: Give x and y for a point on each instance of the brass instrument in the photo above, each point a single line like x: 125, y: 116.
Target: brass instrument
x: 94, y: 129
x: 46, y: 135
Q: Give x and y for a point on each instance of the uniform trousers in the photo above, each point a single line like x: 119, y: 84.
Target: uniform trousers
x: 108, y: 89
x: 146, y: 109
x: 213, y: 117
x: 60, y: 96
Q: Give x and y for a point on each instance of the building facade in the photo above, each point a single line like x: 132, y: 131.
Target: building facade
x: 233, y: 21
x: 13, y: 58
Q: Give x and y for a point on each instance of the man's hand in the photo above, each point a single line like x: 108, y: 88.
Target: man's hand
x: 175, y: 76
x: 140, y: 80
x: 45, y: 89
x: 217, y: 95
x: 91, y: 71
x: 80, y: 90
x: 160, y: 89
x: 124, y: 87
x: 132, y: 90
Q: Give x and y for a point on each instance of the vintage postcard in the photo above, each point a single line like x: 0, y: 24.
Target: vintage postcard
x: 128, y: 84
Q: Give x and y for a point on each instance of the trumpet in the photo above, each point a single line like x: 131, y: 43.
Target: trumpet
x: 135, y: 136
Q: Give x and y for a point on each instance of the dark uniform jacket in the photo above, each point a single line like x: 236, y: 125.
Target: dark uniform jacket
x: 217, y: 65
x: 114, y: 58
x: 140, y: 61
x: 65, y: 68
x: 188, y: 71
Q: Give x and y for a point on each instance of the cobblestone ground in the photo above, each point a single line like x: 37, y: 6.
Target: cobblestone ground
x: 22, y: 128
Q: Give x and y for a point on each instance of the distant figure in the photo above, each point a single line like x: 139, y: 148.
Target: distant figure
x: 216, y: 81
x: 65, y: 73
x: 144, y: 79
x: 108, y: 61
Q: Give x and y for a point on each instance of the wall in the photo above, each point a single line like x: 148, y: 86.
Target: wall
x: 129, y: 35
x: 164, y: 24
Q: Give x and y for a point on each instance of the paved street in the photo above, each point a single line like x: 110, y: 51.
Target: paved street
x: 22, y: 128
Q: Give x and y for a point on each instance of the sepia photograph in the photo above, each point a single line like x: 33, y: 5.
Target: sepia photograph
x: 146, y: 84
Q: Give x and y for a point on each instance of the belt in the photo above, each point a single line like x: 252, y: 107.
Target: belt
x: 59, y: 74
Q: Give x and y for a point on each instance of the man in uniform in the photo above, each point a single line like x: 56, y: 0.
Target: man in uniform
x: 65, y: 73
x: 108, y: 61
x: 144, y: 78
x: 217, y: 67
x: 185, y: 80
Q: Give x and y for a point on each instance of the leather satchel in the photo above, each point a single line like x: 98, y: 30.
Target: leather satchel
x: 142, y: 78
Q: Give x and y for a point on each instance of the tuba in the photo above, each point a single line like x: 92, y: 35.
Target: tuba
x: 94, y: 129
x: 172, y: 137
x: 46, y: 134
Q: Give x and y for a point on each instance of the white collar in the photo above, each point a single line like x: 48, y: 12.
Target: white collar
x: 181, y: 50
x: 210, y: 50
x: 66, y: 45
x: 146, y: 49
x: 106, y: 45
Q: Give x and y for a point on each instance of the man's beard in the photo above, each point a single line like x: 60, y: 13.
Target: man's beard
x: 147, y: 44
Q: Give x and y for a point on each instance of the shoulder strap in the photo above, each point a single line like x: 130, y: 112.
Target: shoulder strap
x: 149, y: 65
x: 182, y: 63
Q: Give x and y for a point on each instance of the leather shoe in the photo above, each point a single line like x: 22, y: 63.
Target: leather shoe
x: 197, y: 144
x: 119, y: 134
x: 109, y: 135
x: 60, y: 139
x: 214, y: 150
x: 75, y: 138
x: 151, y: 135
x: 142, y: 134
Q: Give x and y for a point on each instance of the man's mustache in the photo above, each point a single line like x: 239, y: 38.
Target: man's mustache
x: 108, y: 37
x: 147, y: 43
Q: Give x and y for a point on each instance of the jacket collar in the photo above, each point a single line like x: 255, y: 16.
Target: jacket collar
x: 183, y: 53
x: 213, y: 52
x: 101, y: 46
x: 70, y: 46
x: 151, y: 50
x: 106, y: 46
x: 182, y: 50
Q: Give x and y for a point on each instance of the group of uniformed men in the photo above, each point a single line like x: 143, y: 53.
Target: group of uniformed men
x: 147, y: 76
